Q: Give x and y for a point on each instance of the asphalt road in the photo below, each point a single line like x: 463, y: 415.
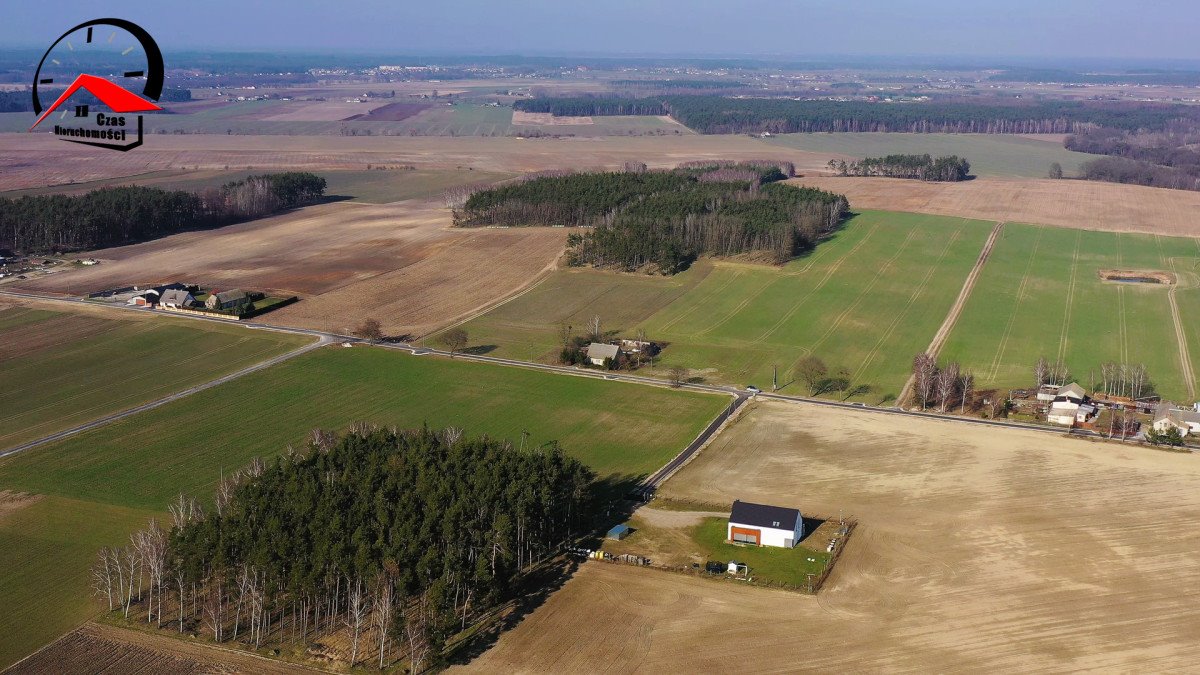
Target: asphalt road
x: 327, y: 338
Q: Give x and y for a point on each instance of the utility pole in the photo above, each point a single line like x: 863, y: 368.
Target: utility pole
x: 775, y: 378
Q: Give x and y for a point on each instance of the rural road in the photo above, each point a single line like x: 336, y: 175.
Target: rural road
x: 324, y: 338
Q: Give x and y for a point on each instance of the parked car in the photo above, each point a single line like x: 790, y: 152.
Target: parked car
x: 753, y: 389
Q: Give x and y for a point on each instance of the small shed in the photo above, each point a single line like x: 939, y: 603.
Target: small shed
x: 618, y: 532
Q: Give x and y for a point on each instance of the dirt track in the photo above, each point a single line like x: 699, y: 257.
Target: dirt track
x: 1066, y: 203
x: 977, y: 551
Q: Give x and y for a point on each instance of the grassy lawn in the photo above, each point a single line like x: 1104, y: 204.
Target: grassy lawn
x: 61, y: 369
x: 866, y: 300
x: 789, y: 566
x: 46, y: 549
x: 1040, y: 295
x: 623, y: 431
x: 989, y: 154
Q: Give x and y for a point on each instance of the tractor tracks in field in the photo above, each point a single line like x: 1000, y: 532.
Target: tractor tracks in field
x: 943, y: 332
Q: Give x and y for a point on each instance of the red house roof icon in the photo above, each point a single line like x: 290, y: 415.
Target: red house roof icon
x: 117, y: 98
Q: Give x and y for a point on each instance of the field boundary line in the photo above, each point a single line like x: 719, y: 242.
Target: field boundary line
x: 964, y: 294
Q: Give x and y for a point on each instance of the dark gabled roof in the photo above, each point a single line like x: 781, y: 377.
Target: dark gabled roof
x: 761, y: 515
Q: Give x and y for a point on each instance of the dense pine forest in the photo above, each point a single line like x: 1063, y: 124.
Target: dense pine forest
x: 120, y: 215
x: 586, y: 106
x: 711, y: 114
x: 372, y: 548
x: 663, y: 220
x: 917, y: 167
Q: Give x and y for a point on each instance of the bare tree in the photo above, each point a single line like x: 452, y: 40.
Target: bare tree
x: 564, y: 333
x: 946, y: 383
x: 358, y: 606
x: 370, y: 330
x: 384, y: 598
x: 416, y: 632
x: 455, y: 340
x: 104, y: 578
x: 678, y: 375
x: 812, y: 371
x: 594, y: 328
x: 966, y: 388
x: 1041, y: 371
x: 635, y: 167
x: 924, y: 374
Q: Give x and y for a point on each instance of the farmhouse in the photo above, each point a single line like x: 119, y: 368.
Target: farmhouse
x: 763, y: 525
x: 176, y: 298
x: 597, y: 352
x: 148, y: 298
x: 227, y: 300
x: 1185, y: 420
x: 1071, y: 406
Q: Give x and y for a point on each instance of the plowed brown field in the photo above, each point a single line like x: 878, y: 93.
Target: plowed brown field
x: 96, y: 648
x: 401, y: 263
x: 1078, y: 204
x: 978, y: 550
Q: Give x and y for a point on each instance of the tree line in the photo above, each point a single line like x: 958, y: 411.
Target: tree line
x: 120, y: 215
x: 917, y: 167
x: 665, y: 219
x: 1167, y: 159
x: 713, y: 114
x: 944, y: 387
x: 587, y: 106
x: 22, y: 100
x: 386, y: 541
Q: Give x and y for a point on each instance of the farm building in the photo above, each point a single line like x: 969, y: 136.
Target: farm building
x: 1185, y: 420
x: 148, y: 298
x: 1071, y: 406
x: 763, y: 525
x: 227, y: 300
x: 176, y: 298
x: 597, y: 352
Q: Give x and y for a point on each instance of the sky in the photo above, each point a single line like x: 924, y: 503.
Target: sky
x: 1029, y: 29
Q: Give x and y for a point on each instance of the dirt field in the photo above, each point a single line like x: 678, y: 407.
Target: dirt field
x: 11, y: 502
x: 1066, y: 203
x: 96, y: 648
x: 400, y: 263
x: 36, y: 160
x: 977, y: 551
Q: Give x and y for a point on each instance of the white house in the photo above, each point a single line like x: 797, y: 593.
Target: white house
x: 1186, y: 421
x: 598, y: 351
x: 763, y: 525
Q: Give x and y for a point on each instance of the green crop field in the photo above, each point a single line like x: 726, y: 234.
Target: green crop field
x: 866, y: 300
x: 989, y: 154
x: 62, y: 369
x: 1040, y: 294
x: 103, y: 483
x: 46, y: 549
x: 619, y: 429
